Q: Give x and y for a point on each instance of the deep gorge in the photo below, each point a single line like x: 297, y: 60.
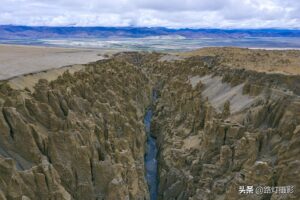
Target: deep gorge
x: 151, y: 156
x: 83, y: 135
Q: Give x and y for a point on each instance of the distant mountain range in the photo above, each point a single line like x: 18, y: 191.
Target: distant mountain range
x: 38, y: 32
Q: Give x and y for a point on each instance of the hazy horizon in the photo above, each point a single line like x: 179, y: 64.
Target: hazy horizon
x: 174, y: 24
x: 166, y: 27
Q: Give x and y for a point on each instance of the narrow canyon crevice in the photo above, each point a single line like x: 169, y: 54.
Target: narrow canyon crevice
x: 83, y: 136
x: 151, y: 164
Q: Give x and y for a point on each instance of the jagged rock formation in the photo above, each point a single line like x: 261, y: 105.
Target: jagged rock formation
x: 78, y: 137
x: 81, y: 136
x: 221, y: 128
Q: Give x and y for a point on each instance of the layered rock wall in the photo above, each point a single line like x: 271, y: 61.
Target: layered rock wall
x: 220, y: 128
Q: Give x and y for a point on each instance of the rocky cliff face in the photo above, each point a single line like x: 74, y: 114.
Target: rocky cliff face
x: 81, y: 136
x: 220, y: 128
x: 78, y: 137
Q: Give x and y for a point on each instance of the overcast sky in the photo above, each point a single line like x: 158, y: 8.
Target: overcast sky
x: 168, y: 13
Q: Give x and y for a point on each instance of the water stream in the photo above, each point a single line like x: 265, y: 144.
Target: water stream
x: 151, y: 154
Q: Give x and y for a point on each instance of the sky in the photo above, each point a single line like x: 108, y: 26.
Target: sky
x: 153, y: 13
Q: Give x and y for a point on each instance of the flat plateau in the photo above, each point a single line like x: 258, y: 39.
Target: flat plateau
x: 16, y: 60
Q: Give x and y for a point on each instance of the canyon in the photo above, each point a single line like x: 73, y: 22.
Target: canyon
x: 222, y: 118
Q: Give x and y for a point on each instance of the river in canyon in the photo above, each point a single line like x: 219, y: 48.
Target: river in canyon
x: 151, y: 153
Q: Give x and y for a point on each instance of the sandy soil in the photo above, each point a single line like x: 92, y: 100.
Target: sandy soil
x: 18, y: 60
x: 269, y: 61
x: 29, y: 81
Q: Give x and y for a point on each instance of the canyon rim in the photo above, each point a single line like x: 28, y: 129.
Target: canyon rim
x: 222, y: 119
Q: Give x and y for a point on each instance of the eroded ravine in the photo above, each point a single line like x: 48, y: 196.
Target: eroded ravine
x: 151, y: 156
x: 80, y: 136
x: 216, y: 128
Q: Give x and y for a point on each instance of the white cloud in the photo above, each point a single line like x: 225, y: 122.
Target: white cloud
x: 169, y: 13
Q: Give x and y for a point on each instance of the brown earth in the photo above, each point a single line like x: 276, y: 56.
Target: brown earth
x: 16, y: 60
x: 80, y: 135
x: 270, y: 61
